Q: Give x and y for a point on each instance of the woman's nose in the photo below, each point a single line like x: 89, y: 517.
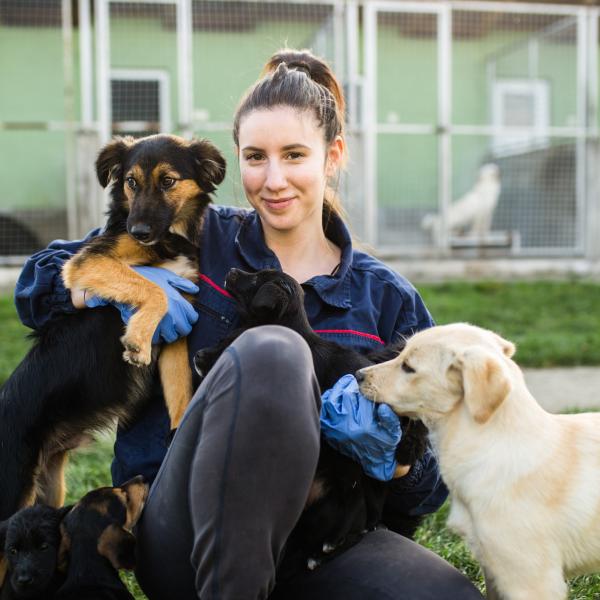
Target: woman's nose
x: 275, y: 177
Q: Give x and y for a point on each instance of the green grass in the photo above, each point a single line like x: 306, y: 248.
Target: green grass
x: 552, y: 323
x: 13, y: 343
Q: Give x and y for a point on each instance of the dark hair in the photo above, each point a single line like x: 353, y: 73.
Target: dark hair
x: 298, y: 79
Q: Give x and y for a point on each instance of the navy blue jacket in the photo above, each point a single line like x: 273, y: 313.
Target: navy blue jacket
x: 364, y: 305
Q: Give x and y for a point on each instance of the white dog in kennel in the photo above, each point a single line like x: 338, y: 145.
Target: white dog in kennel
x: 471, y: 214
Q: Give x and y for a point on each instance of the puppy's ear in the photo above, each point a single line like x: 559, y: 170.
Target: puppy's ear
x: 508, y: 348
x: 110, y: 160
x: 485, y: 383
x: 268, y: 299
x: 63, y: 511
x: 137, y: 492
x: 210, y: 164
x: 118, y: 546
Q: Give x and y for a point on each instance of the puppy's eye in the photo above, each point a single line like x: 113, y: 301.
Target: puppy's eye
x: 167, y: 182
x: 407, y: 368
x: 131, y: 183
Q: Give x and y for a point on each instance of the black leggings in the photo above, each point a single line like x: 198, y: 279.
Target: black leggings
x: 234, y: 483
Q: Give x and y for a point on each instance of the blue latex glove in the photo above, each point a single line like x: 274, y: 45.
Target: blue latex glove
x: 364, y: 431
x: 180, y: 316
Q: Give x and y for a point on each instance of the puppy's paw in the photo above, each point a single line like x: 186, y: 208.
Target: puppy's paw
x: 136, y: 353
x: 328, y: 548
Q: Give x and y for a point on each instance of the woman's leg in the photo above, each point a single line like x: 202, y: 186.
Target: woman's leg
x: 236, y: 476
x: 382, y: 566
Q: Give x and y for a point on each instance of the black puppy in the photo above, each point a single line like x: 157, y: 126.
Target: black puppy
x: 30, y: 542
x: 97, y: 536
x: 344, y: 502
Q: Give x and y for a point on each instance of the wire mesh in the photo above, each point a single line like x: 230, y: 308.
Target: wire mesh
x: 232, y: 41
x: 514, y: 91
x: 32, y: 203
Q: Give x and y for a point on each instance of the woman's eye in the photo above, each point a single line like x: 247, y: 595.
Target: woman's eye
x: 131, y: 183
x: 168, y: 182
x: 294, y: 155
x: 254, y: 157
x: 407, y: 368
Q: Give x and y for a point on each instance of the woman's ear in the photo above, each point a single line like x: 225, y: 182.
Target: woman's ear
x: 336, y: 154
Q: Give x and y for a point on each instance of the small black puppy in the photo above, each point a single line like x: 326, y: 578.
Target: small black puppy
x: 30, y: 541
x: 97, y: 536
x: 345, y: 502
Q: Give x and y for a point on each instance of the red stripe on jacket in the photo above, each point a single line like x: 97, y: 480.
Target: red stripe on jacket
x: 214, y: 285
x: 353, y: 332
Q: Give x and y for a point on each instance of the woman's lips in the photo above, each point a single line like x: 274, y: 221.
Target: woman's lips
x: 278, y: 203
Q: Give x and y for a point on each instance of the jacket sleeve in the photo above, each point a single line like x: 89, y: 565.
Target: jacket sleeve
x: 422, y: 490
x: 40, y: 292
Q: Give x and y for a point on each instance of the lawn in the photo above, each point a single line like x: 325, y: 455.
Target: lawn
x: 552, y: 323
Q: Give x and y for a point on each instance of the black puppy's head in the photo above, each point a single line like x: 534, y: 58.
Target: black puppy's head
x: 30, y: 540
x: 267, y: 297
x: 102, y: 520
x: 161, y: 183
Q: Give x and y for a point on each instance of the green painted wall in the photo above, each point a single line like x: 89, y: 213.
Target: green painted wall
x: 32, y: 165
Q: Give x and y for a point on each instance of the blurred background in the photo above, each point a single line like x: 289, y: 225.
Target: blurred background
x: 473, y: 126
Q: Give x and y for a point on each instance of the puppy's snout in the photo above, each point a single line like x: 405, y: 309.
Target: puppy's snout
x: 141, y: 231
x: 24, y: 579
x: 232, y: 276
x: 360, y: 376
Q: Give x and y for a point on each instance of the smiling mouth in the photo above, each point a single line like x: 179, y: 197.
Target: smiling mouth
x: 278, y: 202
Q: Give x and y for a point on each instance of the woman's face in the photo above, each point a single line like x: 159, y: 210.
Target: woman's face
x: 284, y: 165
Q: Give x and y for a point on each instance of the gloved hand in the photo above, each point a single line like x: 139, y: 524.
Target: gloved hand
x: 364, y: 431
x: 180, y: 314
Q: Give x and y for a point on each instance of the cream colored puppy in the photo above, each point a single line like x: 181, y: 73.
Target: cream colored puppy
x: 524, y: 484
x: 473, y: 212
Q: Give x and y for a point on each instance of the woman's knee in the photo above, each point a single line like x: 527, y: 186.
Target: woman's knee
x: 275, y: 350
x: 270, y: 371
x: 275, y: 360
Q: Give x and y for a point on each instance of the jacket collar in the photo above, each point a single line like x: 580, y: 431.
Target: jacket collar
x: 332, y: 289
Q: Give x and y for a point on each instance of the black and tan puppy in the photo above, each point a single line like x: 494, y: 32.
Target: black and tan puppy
x: 96, y: 536
x: 345, y: 502
x: 74, y: 378
x: 30, y: 541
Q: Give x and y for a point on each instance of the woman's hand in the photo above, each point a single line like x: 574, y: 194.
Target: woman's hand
x: 180, y: 316
x: 364, y: 431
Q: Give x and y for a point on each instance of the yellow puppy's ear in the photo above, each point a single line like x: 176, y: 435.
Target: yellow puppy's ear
x: 508, y: 348
x: 485, y: 384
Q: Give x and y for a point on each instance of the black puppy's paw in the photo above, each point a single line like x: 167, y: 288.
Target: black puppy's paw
x: 413, y: 444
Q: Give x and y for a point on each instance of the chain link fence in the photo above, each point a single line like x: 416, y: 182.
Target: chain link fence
x: 472, y: 126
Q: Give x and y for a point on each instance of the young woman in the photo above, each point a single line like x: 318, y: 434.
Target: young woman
x: 234, y: 481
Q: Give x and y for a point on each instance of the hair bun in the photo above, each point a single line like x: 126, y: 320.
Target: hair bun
x: 316, y: 69
x: 300, y: 66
